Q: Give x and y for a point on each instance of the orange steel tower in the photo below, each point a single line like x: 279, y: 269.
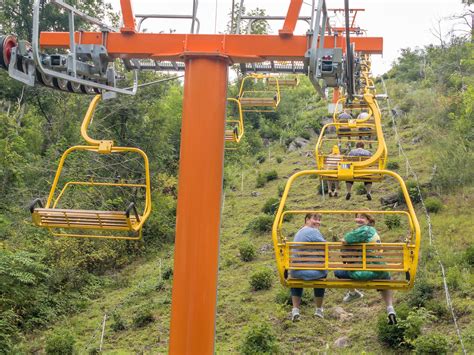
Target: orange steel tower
x: 207, y: 58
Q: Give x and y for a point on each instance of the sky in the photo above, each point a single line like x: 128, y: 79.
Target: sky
x: 402, y: 23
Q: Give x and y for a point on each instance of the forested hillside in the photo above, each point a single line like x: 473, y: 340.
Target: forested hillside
x: 55, y: 292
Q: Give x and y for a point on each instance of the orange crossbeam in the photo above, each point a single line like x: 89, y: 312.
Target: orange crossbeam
x: 238, y: 48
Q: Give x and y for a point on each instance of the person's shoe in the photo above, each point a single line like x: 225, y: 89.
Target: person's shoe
x: 352, y: 296
x: 330, y: 193
x: 335, y: 193
x: 369, y: 197
x: 319, y: 313
x: 295, y: 314
x: 348, y: 196
x: 392, y: 316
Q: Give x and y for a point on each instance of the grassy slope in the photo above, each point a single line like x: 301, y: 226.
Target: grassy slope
x: 239, y: 307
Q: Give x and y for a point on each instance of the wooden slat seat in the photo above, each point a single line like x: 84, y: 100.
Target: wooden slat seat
x: 291, y: 82
x: 83, y: 219
x: 258, y: 101
x: 229, y: 135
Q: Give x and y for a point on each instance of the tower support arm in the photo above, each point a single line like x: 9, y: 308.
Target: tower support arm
x: 238, y: 48
x: 291, y: 18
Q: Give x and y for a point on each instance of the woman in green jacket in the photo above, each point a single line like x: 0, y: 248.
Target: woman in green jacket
x: 366, y: 233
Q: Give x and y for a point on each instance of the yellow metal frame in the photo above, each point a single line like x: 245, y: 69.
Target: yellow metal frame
x: 270, y: 102
x: 99, y: 147
x: 236, y: 132
x: 410, y: 248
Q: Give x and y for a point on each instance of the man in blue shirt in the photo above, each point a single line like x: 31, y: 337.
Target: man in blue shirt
x: 309, y: 233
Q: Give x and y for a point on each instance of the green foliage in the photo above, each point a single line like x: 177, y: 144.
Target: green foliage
x: 392, y: 221
x: 247, y: 252
x: 422, y: 292
x: 261, y: 158
x: 167, y: 273
x: 413, y: 192
x: 279, y: 160
x: 260, y: 224
x: 469, y: 255
x: 261, y: 181
x: 261, y: 280
x: 406, y: 331
x: 118, y: 323
x: 259, y: 339
x: 393, y: 165
x: 61, y: 342
x: 271, y: 206
x: 142, y: 317
x: 433, y: 204
x: 360, y: 189
x: 434, y: 343
x: 271, y: 175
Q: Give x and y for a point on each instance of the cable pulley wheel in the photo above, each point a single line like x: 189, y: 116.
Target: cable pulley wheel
x: 7, y: 42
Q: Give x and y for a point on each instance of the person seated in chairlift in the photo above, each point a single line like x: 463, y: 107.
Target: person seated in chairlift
x: 366, y: 233
x: 345, y: 115
x: 308, y: 233
x: 359, y: 151
x: 333, y: 185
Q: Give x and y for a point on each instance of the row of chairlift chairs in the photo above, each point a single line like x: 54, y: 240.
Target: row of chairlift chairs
x: 398, y: 258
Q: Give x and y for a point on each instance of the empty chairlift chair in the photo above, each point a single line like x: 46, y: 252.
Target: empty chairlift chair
x: 261, y: 97
x: 117, y: 223
x: 234, y: 128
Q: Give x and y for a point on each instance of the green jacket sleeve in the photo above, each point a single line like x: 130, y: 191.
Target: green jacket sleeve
x: 360, y: 235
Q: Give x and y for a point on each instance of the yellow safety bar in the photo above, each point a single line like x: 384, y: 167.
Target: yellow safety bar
x: 259, y: 100
x: 407, y: 252
x: 130, y: 220
x: 236, y: 131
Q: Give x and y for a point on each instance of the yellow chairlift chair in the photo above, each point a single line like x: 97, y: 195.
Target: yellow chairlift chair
x: 399, y: 258
x: 116, y: 224
x: 334, y: 167
x: 234, y: 130
x: 265, y: 100
x: 283, y: 82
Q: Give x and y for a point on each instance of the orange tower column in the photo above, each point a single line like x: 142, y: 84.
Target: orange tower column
x: 194, y: 294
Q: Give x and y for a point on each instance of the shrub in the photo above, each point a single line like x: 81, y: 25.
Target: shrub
x: 261, y: 181
x: 422, y: 292
x: 247, y: 252
x: 279, y: 160
x: 393, y: 165
x: 260, y: 224
x: 434, y: 343
x: 413, y: 192
x: 143, y: 317
x: 261, y: 280
x: 271, y: 175
x: 406, y: 331
x: 60, y: 342
x: 392, y: 221
x: 320, y: 189
x: 433, y: 204
x: 469, y: 255
x: 281, y: 189
x: 118, y: 324
x: 259, y: 339
x: 271, y: 206
x: 167, y: 273
x: 261, y: 158
x: 360, y: 189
